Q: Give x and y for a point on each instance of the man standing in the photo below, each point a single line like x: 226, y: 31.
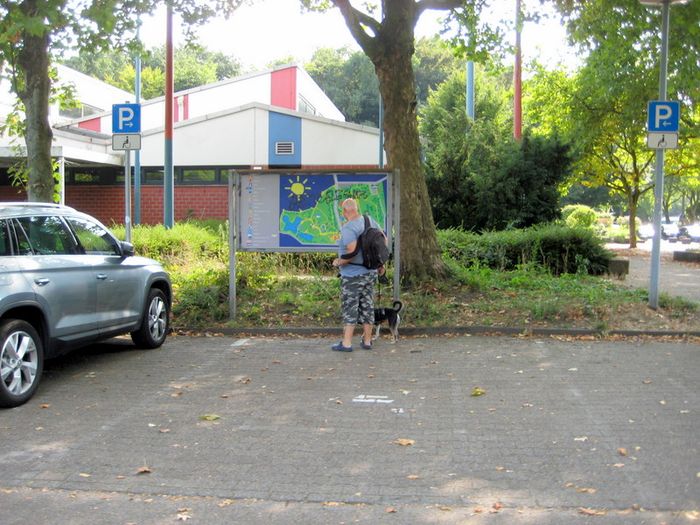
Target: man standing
x: 356, y: 281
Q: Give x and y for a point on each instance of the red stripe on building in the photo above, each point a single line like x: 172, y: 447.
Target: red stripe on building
x: 92, y: 124
x: 182, y: 108
x: 284, y: 88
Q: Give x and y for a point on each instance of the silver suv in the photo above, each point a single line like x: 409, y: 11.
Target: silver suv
x: 65, y: 281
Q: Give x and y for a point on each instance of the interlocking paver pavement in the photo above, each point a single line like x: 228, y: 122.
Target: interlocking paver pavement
x: 568, y: 431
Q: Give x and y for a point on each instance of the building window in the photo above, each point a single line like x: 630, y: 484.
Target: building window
x: 83, y: 110
x: 152, y: 175
x: 306, y: 107
x: 198, y: 176
x: 103, y: 175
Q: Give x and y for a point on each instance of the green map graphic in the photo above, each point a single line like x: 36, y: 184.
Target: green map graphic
x: 319, y: 224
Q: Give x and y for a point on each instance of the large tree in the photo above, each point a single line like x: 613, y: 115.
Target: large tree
x: 386, y: 35
x: 31, y: 31
x: 34, y: 32
x: 621, y: 40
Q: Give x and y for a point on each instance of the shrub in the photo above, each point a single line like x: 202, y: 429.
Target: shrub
x: 184, y: 241
x: 579, y: 216
x: 559, y: 249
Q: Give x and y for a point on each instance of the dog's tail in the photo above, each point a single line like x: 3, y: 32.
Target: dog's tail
x: 397, y: 306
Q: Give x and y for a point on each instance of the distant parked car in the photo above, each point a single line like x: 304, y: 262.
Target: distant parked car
x: 691, y: 231
x: 645, y: 231
x: 670, y: 231
x: 66, y: 281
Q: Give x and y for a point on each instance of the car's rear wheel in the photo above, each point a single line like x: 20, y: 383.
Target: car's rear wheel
x: 21, y: 362
x: 155, y: 322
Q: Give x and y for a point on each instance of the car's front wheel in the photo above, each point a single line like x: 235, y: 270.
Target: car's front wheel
x: 21, y: 362
x: 155, y: 322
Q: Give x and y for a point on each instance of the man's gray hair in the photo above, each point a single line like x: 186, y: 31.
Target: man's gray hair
x: 349, y: 204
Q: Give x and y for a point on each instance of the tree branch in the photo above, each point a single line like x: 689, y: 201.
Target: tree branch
x: 443, y: 5
x: 355, y: 20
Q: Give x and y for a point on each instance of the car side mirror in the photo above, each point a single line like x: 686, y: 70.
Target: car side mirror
x: 127, y: 248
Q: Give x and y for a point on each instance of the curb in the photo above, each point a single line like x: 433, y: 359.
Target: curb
x: 452, y: 330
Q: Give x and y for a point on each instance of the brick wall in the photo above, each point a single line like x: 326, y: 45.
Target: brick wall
x: 106, y: 203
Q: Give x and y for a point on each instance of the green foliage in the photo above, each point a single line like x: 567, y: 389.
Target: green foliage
x: 559, y: 249
x: 201, y: 293
x: 301, y: 290
x: 194, y: 66
x: 605, y: 100
x: 478, y: 177
x: 579, y: 216
x: 183, y: 242
x: 349, y: 80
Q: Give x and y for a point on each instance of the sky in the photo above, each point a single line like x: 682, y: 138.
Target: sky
x: 271, y: 29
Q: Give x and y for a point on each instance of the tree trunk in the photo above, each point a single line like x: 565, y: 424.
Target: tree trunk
x: 632, y: 202
x: 33, y: 62
x: 420, y: 254
x: 390, y: 49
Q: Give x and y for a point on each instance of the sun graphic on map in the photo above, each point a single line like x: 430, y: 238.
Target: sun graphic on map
x: 297, y: 188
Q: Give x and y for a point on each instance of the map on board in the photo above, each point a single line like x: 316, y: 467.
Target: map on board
x: 301, y: 211
x: 310, y: 212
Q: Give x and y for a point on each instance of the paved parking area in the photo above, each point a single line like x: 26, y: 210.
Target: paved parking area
x: 282, y: 430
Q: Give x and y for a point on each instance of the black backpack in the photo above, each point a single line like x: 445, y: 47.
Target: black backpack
x: 375, y: 252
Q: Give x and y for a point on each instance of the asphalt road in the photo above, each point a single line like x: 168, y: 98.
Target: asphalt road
x: 215, y: 430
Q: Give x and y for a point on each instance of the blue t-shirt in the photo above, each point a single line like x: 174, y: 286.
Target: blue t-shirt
x: 350, y: 232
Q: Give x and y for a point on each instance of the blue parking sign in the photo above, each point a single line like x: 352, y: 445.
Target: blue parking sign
x: 126, y: 118
x: 664, y: 116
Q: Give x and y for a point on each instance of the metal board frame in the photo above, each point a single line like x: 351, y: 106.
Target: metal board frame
x: 236, y: 222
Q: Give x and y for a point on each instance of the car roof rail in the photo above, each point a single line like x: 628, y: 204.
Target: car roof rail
x: 27, y: 204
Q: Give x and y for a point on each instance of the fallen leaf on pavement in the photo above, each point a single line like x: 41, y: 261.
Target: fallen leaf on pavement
x: 390, y: 510
x: 143, y: 470
x: 209, y: 417
x: 478, y: 391
x: 622, y: 451
x: 592, y: 512
x: 404, y: 442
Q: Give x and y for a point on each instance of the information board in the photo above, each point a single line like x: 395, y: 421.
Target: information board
x: 300, y: 211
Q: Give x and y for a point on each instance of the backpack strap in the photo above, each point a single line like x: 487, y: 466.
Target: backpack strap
x: 358, y: 245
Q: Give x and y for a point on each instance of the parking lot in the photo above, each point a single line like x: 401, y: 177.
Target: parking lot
x: 283, y: 430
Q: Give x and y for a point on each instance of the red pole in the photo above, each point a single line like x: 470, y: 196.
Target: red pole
x: 517, y: 79
x: 168, y: 171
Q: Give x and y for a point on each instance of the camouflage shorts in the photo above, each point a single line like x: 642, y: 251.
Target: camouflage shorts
x: 357, y: 298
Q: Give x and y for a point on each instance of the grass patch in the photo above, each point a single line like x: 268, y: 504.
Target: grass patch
x: 301, y: 290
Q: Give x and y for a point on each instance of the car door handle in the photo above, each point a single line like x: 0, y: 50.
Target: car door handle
x: 42, y: 281
x: 101, y: 276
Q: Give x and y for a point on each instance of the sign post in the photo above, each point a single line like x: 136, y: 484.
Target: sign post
x: 126, y: 136
x: 663, y: 117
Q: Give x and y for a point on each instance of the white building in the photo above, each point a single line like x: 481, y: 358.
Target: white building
x: 271, y: 119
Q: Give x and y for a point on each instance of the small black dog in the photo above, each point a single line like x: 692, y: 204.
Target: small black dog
x: 392, y: 318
